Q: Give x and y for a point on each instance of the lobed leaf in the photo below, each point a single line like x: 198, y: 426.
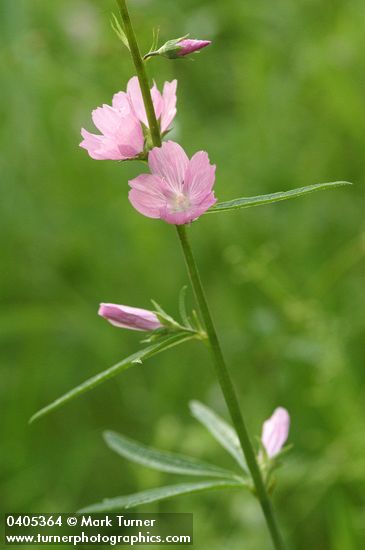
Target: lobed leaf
x: 135, y: 358
x: 247, y: 202
x: 220, y: 430
x: 160, y: 493
x: 162, y: 460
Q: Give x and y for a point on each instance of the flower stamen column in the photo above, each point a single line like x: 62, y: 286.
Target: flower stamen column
x: 224, y: 378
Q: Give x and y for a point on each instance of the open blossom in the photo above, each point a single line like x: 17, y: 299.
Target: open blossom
x: 129, y: 317
x: 178, y: 190
x: 123, y: 123
x: 275, y: 431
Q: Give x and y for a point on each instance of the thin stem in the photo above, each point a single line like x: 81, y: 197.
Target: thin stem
x: 141, y: 73
x: 228, y: 389
x: 219, y: 362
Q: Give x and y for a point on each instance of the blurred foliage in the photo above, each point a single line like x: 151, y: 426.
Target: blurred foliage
x: 278, y: 101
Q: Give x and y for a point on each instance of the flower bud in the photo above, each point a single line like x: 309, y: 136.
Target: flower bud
x: 188, y: 46
x: 179, y: 47
x: 132, y: 318
x: 275, y: 431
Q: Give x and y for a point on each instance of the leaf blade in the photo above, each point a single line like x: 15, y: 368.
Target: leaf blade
x: 163, y: 461
x: 117, y: 28
x: 101, y: 377
x: 220, y: 430
x: 259, y: 200
x: 155, y: 495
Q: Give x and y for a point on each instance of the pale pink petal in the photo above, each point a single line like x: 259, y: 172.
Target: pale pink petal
x: 199, y: 208
x: 121, y: 102
x: 275, y: 431
x: 91, y: 143
x: 169, y: 104
x: 106, y: 119
x: 129, y: 317
x: 99, y: 147
x: 178, y: 217
x: 129, y: 135
x: 156, y: 100
x: 148, y: 194
x: 199, y: 177
x: 169, y: 162
x: 136, y: 99
x: 189, y: 45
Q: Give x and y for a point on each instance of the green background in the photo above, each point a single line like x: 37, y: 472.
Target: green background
x: 278, y: 101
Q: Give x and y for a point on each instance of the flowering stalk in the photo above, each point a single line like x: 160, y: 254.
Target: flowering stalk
x: 219, y: 362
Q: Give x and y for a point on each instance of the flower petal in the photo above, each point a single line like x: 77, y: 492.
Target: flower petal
x: 275, y: 431
x: 199, y: 177
x: 136, y: 99
x: 156, y: 100
x: 121, y: 102
x: 106, y: 119
x: 100, y: 147
x: 129, y: 317
x: 191, y: 213
x: 169, y: 104
x: 169, y: 162
x: 148, y: 195
x: 129, y: 136
x: 189, y: 45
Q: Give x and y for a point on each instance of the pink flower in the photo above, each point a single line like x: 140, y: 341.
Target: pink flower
x: 122, y: 124
x: 188, y: 46
x: 275, y: 431
x: 178, y: 190
x: 129, y: 317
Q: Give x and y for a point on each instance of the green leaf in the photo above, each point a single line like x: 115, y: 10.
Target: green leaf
x: 99, y: 378
x: 182, y: 307
x: 247, y: 202
x: 155, y: 36
x: 162, y: 460
x: 220, y: 430
x: 164, y: 318
x: 160, y: 493
x: 117, y: 28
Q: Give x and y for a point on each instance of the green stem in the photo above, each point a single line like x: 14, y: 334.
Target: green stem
x: 228, y: 389
x: 141, y: 73
x: 219, y: 362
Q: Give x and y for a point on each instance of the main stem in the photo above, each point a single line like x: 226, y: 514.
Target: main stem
x: 228, y: 390
x: 223, y: 375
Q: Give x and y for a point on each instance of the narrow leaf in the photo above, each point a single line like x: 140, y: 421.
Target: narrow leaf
x: 220, y: 430
x: 182, y: 307
x: 162, y: 460
x: 117, y: 28
x: 94, y: 381
x: 155, y: 495
x: 247, y: 202
x: 164, y: 318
